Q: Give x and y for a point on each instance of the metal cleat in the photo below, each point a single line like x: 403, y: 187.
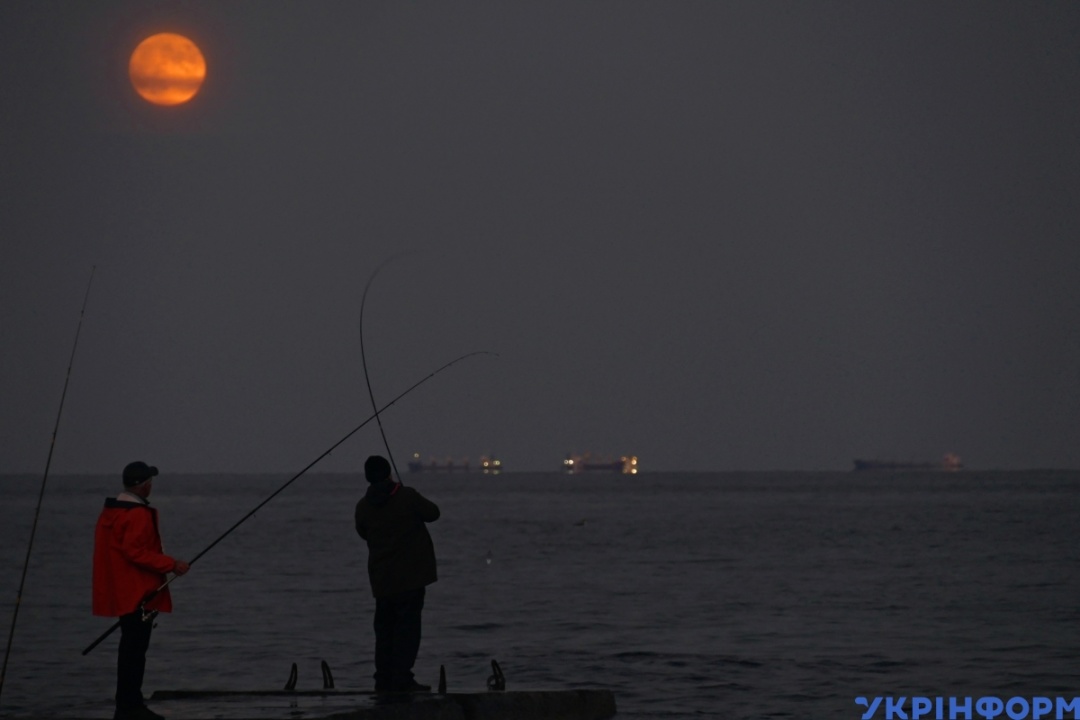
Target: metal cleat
x: 496, y: 683
x: 327, y: 677
x: 291, y: 683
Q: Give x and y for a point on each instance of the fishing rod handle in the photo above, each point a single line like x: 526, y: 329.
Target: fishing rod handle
x: 146, y: 616
x: 101, y: 638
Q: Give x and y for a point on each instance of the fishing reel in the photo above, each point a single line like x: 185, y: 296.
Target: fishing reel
x: 149, y: 617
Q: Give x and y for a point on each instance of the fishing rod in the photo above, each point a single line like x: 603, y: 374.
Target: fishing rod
x: 363, y: 358
x: 41, y: 494
x: 238, y: 523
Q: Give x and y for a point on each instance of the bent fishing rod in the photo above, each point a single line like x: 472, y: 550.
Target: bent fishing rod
x: 44, y: 479
x: 363, y: 359
x: 153, y: 593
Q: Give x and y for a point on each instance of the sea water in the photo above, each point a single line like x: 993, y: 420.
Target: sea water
x: 733, y: 595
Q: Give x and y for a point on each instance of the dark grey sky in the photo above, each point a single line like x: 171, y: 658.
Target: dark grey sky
x: 718, y: 235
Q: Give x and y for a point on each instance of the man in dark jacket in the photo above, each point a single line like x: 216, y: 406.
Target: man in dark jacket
x: 401, y: 564
x: 129, y: 565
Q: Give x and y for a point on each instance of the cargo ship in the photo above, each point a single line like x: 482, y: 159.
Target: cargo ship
x: 487, y: 465
x: 627, y: 464
x: 949, y: 462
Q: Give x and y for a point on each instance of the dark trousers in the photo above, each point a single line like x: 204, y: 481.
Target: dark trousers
x: 397, y: 638
x: 131, y: 661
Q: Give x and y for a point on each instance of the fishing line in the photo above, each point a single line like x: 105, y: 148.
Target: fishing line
x: 239, y: 522
x: 41, y: 494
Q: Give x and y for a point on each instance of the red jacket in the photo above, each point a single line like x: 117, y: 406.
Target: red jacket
x: 128, y: 561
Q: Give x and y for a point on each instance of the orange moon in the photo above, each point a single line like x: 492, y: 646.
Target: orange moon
x: 167, y: 69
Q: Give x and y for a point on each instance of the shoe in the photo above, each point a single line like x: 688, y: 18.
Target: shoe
x: 139, y: 712
x: 410, y: 687
x: 145, y: 713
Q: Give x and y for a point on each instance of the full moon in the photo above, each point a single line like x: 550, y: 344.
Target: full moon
x: 167, y: 69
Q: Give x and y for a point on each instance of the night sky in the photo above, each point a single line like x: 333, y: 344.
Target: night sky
x: 716, y: 235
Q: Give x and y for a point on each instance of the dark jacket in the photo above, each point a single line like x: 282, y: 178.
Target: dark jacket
x: 401, y: 556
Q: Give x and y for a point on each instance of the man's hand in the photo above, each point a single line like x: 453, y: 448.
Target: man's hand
x: 181, y: 567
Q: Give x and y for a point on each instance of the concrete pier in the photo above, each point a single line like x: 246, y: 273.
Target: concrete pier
x: 359, y: 705
x: 338, y: 704
x: 518, y: 705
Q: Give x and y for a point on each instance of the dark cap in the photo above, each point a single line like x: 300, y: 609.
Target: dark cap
x: 137, y: 473
x: 376, y: 469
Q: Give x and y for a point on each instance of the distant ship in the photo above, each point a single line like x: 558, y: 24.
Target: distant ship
x: 486, y: 465
x: 949, y: 462
x: 627, y: 464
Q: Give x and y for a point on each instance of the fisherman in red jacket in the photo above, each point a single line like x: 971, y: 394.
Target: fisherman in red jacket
x: 129, y: 565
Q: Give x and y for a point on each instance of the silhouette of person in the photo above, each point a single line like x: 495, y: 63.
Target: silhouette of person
x: 392, y: 519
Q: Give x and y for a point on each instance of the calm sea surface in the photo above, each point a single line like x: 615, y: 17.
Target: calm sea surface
x: 741, y: 595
